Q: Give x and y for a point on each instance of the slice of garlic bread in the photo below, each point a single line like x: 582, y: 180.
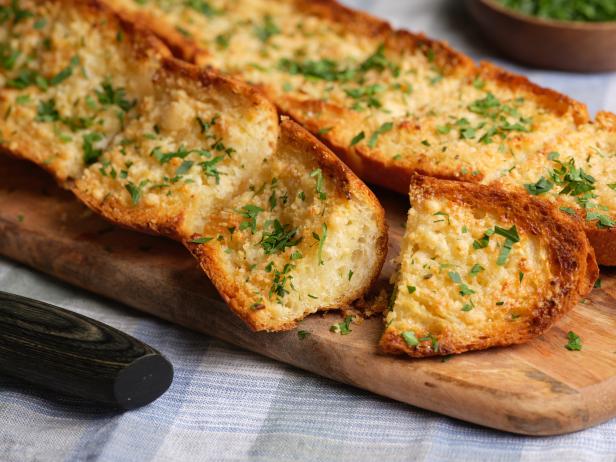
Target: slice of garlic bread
x: 482, y: 267
x: 305, y: 235
x: 280, y: 225
x: 391, y: 103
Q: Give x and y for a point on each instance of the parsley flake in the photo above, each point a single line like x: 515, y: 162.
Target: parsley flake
x: 574, y: 342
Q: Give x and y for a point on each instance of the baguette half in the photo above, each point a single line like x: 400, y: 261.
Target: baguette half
x: 280, y: 225
x: 482, y: 267
x: 391, y: 103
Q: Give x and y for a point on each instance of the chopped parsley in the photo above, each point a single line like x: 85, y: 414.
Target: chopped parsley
x: 135, y: 191
x: 318, y: 175
x: 321, y: 240
x: 511, y: 237
x: 184, y: 167
x: 357, y: 138
x: 484, y: 241
x: 47, y: 111
x: 64, y: 73
x: 410, y: 339
x: 209, y: 168
x: 267, y: 29
x: 344, y: 327
x: 476, y: 269
x: 574, y: 342
x: 365, y: 96
x: 279, y: 238
x: 568, y: 210
x: 386, y: 127
x: 328, y: 70
x: 464, y: 290
x: 499, y: 119
x: 201, y: 240
x: 110, y: 96
x: 280, y: 280
x: 203, y: 7
x: 90, y: 153
x: 411, y: 289
x: 565, y: 10
x: 302, y: 334
x: 251, y: 212
x: 540, y: 187
x: 442, y: 214
x: 579, y: 184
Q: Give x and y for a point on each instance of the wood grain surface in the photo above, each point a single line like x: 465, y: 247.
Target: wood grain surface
x: 539, y: 388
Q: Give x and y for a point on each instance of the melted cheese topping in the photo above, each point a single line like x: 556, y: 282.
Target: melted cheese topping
x: 447, y: 287
x: 400, y: 107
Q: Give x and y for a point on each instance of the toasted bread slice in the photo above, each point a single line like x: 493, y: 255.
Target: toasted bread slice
x: 482, y: 267
x: 391, y: 103
x: 280, y: 225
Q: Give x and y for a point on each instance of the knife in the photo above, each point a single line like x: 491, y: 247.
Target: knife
x: 70, y: 353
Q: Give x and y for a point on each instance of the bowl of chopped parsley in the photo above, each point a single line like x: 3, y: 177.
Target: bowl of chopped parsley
x: 572, y: 35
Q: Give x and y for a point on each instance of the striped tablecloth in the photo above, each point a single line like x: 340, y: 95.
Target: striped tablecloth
x: 228, y: 404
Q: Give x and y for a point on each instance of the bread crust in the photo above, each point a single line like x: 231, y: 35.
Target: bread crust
x: 351, y: 188
x: 572, y: 260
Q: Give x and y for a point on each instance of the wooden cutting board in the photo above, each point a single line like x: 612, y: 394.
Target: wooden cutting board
x: 539, y: 388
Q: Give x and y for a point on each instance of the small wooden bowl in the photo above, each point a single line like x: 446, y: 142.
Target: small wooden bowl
x: 563, y: 45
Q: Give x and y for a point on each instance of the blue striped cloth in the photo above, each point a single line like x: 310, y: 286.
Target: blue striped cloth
x: 227, y: 404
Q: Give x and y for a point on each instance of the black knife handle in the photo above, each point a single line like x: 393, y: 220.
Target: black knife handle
x: 65, y: 351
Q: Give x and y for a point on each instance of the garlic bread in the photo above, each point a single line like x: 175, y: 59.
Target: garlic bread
x: 281, y: 226
x: 480, y: 266
x: 392, y: 103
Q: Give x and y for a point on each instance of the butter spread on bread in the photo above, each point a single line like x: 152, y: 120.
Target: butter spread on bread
x: 481, y: 267
x: 392, y: 103
x: 278, y: 223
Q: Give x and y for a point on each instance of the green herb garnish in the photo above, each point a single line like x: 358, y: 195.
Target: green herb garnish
x: 280, y: 237
x: 388, y: 126
x: 321, y: 241
x: 410, y: 339
x: 201, y: 240
x: 344, y: 327
x: 574, y: 342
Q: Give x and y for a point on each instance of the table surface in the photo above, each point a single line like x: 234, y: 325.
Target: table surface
x: 228, y: 404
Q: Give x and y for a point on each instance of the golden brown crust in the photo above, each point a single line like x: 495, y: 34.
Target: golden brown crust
x: 180, y: 45
x: 349, y: 188
x: 572, y: 260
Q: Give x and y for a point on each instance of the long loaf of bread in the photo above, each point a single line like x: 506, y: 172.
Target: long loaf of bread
x: 392, y: 103
x: 277, y: 222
